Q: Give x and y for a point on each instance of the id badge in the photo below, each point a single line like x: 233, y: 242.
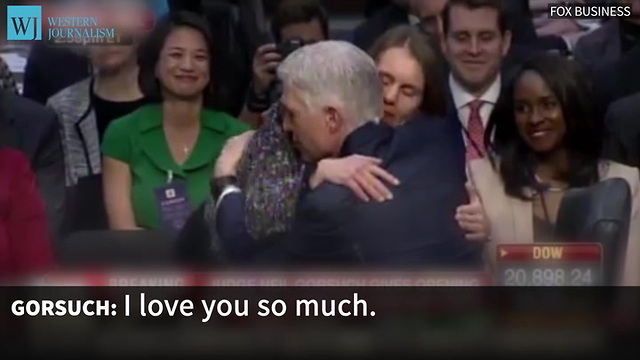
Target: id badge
x: 173, y: 204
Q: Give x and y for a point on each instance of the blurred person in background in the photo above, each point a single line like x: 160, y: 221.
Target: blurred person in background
x: 34, y: 130
x: 329, y: 224
x: 70, y: 62
x: 373, y: 6
x: 7, y: 78
x: 295, y: 23
x: 159, y: 159
x: 422, y: 13
x: 567, y: 30
x: 25, y: 241
x: 623, y: 131
x: 607, y: 44
x: 546, y: 141
x: 86, y: 108
x: 411, y: 74
x: 7, y: 81
x: 612, y: 54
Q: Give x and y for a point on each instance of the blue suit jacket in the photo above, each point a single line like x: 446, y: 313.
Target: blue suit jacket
x: 416, y: 228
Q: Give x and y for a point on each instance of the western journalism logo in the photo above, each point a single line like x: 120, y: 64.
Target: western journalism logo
x: 24, y: 22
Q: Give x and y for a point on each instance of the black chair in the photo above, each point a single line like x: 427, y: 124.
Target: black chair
x: 122, y: 249
x: 600, y: 213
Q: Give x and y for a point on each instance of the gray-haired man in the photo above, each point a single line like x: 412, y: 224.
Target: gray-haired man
x: 332, y: 98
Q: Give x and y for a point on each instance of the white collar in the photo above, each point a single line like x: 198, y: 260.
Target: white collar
x: 462, y: 98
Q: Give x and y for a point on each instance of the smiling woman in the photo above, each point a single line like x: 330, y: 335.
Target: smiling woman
x: 159, y: 159
x: 546, y: 140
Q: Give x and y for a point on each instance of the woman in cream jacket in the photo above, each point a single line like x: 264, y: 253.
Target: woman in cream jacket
x: 544, y: 140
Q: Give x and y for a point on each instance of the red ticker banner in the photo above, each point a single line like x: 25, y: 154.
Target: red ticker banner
x: 265, y: 279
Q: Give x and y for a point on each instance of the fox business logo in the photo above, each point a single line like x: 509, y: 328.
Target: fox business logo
x: 588, y: 11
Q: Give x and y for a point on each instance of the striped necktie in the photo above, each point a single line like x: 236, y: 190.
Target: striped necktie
x: 475, y: 131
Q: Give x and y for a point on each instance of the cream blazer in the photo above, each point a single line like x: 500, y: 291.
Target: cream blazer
x: 511, y: 219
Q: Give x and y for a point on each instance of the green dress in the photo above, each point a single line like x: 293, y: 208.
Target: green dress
x: 138, y: 140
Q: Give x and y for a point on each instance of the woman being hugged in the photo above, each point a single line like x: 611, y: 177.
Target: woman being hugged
x: 158, y: 160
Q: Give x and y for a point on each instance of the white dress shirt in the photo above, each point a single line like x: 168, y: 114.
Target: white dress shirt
x: 462, y: 99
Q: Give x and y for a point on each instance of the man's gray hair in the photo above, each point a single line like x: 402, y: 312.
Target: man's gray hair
x: 335, y: 73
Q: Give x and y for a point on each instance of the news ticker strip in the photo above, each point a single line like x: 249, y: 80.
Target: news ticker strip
x: 549, y: 265
x: 263, y: 279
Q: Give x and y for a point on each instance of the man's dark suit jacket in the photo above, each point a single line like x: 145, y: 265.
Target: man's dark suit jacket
x: 602, y: 46
x: 617, y: 80
x: 416, y: 228
x: 623, y: 131
x: 34, y: 130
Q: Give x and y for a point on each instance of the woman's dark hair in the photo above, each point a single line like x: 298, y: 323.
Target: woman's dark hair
x: 215, y: 95
x: 583, y: 139
x: 422, y: 47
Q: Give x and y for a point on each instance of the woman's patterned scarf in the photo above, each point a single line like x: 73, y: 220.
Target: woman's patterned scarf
x: 270, y: 175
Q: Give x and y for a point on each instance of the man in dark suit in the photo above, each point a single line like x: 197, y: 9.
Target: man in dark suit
x: 331, y: 113
x: 616, y: 80
x: 33, y: 129
x: 476, y: 42
x: 623, y: 131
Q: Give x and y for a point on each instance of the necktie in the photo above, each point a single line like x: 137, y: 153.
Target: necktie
x: 475, y: 131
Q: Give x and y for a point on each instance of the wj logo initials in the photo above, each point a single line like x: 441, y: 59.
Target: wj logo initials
x: 24, y: 22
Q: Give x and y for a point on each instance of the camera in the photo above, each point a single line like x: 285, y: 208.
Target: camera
x: 287, y: 47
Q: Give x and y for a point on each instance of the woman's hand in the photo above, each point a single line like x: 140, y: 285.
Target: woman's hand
x: 231, y: 154
x: 472, y: 218
x: 362, y: 174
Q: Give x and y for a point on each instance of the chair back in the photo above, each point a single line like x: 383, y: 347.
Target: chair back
x: 600, y: 213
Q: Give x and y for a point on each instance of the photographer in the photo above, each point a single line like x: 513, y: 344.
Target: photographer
x: 294, y: 24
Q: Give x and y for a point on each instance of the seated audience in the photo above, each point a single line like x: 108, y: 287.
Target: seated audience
x: 330, y: 224
x: 159, y: 159
x: 25, y: 242
x: 547, y: 140
x: 294, y: 20
x: 33, y: 129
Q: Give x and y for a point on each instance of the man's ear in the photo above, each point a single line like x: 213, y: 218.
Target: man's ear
x: 334, y: 119
x: 506, y: 42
